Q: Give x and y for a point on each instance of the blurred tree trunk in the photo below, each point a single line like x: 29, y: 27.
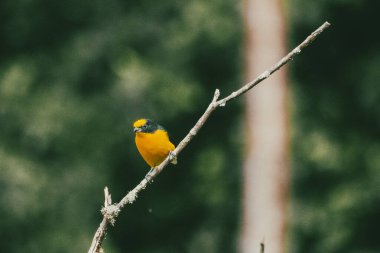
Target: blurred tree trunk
x: 265, y: 182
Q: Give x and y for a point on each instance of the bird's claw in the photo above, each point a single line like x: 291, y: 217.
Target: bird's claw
x: 172, y: 157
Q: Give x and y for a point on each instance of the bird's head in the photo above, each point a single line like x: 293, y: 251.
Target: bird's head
x: 145, y: 126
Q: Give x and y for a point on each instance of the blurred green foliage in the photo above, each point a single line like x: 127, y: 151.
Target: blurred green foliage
x: 336, y: 151
x: 74, y: 75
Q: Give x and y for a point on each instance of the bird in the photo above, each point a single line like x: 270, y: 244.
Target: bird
x: 152, y: 142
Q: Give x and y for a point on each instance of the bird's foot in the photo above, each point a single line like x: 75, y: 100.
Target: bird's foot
x: 172, y: 157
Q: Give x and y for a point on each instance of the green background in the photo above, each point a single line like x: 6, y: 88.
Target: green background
x: 74, y: 75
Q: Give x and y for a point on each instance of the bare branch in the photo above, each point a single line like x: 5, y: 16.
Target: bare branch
x: 276, y: 66
x: 110, y: 211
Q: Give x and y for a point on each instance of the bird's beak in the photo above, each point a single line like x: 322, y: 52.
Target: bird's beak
x: 136, y: 129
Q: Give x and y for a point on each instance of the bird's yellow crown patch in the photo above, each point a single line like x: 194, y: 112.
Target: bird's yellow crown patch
x: 139, y: 123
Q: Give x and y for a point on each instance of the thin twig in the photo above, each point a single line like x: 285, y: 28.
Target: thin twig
x: 110, y: 211
x: 262, y: 246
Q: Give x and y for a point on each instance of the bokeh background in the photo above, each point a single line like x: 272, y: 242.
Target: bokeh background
x: 74, y: 75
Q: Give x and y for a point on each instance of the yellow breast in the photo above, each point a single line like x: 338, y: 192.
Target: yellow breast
x: 154, y: 147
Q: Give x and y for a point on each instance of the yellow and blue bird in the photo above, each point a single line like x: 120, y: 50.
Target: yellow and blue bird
x: 153, y: 142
